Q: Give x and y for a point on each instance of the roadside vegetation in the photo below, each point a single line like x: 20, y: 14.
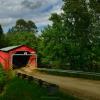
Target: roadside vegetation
x: 3, y: 79
x: 20, y: 89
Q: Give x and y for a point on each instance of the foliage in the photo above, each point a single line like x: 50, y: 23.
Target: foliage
x: 3, y: 78
x: 23, y: 38
x: 3, y: 41
x: 23, y: 26
x: 10, y: 74
x: 18, y: 89
x: 95, y: 5
x: 23, y: 33
x: 2, y: 75
x: 53, y: 43
x: 1, y: 30
x: 77, y: 23
x: 72, y: 42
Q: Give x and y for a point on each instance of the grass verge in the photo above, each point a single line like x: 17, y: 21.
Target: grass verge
x: 19, y: 89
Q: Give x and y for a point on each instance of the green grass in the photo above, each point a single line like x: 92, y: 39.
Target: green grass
x: 19, y: 89
x: 76, y: 75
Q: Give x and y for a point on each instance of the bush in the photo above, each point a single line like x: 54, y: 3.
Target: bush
x: 3, y: 78
x: 10, y: 74
x: 20, y: 89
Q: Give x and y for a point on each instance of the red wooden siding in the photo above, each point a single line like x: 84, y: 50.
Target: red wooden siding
x: 6, y: 57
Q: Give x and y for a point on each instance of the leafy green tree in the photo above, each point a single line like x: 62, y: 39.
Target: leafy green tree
x: 53, y: 46
x: 1, y: 30
x: 1, y: 36
x: 78, y: 20
x: 23, y: 26
x: 3, y: 40
x: 31, y: 27
x: 23, y: 33
x: 74, y: 37
x: 95, y: 5
x: 23, y: 38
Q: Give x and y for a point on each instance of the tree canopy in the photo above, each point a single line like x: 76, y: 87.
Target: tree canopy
x: 23, y: 26
x: 23, y: 33
x: 3, y: 39
x: 1, y: 30
x: 72, y: 42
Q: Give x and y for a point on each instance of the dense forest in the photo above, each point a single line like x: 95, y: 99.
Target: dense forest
x: 71, y: 42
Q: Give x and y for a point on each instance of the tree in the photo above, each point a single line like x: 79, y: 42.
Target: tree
x: 23, y: 38
x: 95, y: 27
x: 53, y: 46
x: 31, y: 26
x: 23, y: 33
x: 23, y: 26
x: 1, y: 30
x: 79, y: 19
x: 3, y: 40
x: 1, y: 36
x: 76, y: 24
x: 95, y: 5
x: 74, y: 37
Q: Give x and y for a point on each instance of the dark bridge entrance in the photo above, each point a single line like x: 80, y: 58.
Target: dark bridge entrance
x: 20, y: 59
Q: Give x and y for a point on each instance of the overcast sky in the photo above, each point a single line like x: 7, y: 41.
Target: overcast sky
x: 37, y: 10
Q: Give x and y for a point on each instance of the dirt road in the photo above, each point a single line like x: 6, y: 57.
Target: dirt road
x: 82, y: 88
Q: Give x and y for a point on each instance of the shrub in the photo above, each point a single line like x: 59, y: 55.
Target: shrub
x: 3, y: 78
x: 10, y: 74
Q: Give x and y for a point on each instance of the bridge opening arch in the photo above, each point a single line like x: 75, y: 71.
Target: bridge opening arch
x: 20, y: 59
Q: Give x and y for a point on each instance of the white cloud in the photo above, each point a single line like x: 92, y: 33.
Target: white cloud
x: 36, y: 10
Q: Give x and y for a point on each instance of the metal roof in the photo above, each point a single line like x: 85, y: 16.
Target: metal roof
x: 9, y: 48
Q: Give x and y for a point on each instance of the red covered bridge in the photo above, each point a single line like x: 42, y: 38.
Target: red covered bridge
x: 18, y: 56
